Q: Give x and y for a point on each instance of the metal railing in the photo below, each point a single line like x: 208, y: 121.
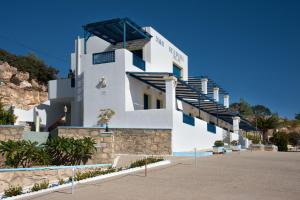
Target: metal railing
x: 138, y: 62
x: 103, y: 57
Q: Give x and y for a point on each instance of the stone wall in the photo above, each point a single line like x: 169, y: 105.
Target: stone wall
x: 105, y: 142
x: 143, y: 141
x: 10, y: 132
x: 29, y: 178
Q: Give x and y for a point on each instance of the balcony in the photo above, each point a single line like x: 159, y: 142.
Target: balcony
x: 61, y: 89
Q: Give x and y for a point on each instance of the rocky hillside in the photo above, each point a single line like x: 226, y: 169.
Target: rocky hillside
x: 18, y: 89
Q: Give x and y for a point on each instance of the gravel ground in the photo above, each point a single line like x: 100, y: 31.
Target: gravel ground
x: 245, y: 175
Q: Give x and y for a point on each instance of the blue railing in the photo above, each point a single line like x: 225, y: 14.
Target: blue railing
x: 188, y: 119
x: 104, y: 57
x: 138, y: 62
x: 211, y: 128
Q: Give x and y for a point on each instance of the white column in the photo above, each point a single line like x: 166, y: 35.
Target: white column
x: 216, y: 94
x: 78, y: 52
x: 236, y: 124
x: 204, y: 85
x: 170, y: 92
x: 226, y: 101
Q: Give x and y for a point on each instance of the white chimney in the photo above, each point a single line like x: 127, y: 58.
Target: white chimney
x: 204, y: 85
x: 226, y: 101
x: 216, y: 94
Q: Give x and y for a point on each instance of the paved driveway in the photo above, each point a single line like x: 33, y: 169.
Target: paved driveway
x: 248, y: 175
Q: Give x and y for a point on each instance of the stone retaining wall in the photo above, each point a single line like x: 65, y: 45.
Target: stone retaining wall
x: 143, y: 141
x: 105, y: 142
x: 29, y: 178
x: 10, y: 132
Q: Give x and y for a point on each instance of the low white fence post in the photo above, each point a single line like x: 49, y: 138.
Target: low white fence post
x: 73, y: 177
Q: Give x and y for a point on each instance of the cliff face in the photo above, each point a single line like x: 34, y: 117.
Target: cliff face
x: 18, y: 90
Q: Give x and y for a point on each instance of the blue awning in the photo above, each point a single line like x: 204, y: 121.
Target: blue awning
x: 117, y: 30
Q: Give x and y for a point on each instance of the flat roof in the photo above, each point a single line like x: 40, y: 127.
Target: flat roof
x: 113, y: 30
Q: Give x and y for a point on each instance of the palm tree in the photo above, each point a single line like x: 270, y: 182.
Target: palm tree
x: 264, y: 123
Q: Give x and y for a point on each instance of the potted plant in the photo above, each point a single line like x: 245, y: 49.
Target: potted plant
x: 218, y: 147
x: 105, y: 116
x: 235, y: 146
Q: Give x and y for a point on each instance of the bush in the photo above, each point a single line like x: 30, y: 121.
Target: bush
x: 280, y: 139
x: 142, y: 162
x: 22, y: 153
x: 6, y: 116
x: 89, y: 174
x: 234, y: 142
x: 61, y: 181
x: 40, y: 186
x: 13, y: 191
x: 293, y: 138
x: 70, y: 151
x: 219, y: 143
x: 254, y: 138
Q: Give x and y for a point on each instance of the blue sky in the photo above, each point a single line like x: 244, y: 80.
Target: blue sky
x: 251, y: 48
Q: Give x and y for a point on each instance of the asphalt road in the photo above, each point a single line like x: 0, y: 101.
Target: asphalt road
x: 245, y: 175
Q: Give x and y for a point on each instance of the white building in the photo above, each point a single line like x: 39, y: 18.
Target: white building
x: 144, y: 78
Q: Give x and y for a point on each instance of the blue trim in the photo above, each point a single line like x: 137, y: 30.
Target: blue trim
x: 198, y: 154
x: 54, y: 167
x: 188, y: 119
x: 211, y: 128
x: 138, y: 62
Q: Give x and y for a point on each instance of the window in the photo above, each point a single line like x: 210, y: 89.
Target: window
x: 158, y: 104
x: 177, y: 71
x: 146, y: 101
x: 104, y: 57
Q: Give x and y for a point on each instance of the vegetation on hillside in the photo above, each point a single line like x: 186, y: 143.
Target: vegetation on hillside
x: 264, y: 119
x: 30, y: 63
x: 7, y: 117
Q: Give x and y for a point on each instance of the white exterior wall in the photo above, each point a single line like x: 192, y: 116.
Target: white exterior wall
x: 186, y: 137
x: 161, y: 54
x: 119, y: 95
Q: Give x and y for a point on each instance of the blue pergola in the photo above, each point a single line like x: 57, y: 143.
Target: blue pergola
x: 187, y: 93
x: 115, y: 31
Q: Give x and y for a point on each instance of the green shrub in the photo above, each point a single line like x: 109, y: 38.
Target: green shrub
x: 293, y: 138
x: 142, y: 162
x: 234, y: 142
x: 70, y: 151
x: 40, y: 186
x: 254, y: 138
x: 280, y: 139
x: 13, y: 191
x: 219, y: 143
x: 36, y: 67
x: 23, y: 153
x: 7, y: 117
x: 61, y: 181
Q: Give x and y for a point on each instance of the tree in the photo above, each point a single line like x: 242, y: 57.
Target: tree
x: 243, y: 108
x: 294, y: 137
x: 260, y: 110
x: 297, y: 116
x: 264, y: 123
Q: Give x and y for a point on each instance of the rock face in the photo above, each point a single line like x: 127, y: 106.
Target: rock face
x: 17, y: 89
